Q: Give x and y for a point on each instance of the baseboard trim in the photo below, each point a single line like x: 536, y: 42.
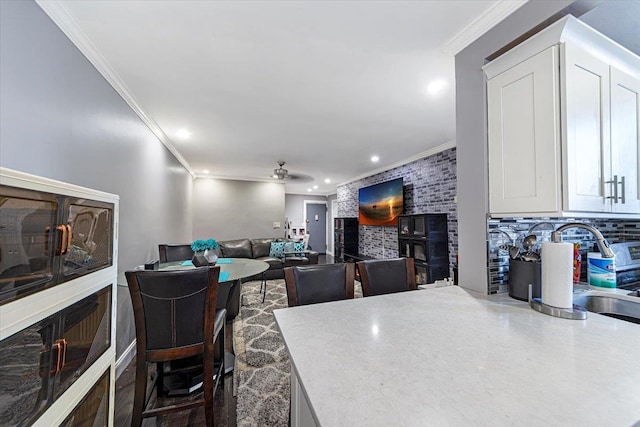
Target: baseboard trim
x: 126, y: 358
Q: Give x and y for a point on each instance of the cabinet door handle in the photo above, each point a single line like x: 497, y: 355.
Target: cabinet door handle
x: 60, y: 349
x: 622, y: 189
x: 68, y: 238
x: 614, y: 182
x: 63, y: 240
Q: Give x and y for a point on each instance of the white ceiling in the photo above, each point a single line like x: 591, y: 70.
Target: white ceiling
x: 322, y: 85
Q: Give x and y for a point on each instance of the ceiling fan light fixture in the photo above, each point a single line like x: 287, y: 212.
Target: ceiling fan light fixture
x: 280, y: 172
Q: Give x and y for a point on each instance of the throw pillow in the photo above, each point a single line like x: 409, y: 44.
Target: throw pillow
x: 277, y: 249
x: 288, y: 247
x: 298, y: 247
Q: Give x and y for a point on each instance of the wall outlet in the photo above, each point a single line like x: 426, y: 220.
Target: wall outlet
x: 276, y: 225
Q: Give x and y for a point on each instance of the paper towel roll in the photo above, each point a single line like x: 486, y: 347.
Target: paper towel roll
x: 557, y: 274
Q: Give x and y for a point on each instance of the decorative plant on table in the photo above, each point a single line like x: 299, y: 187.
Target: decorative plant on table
x: 206, y: 248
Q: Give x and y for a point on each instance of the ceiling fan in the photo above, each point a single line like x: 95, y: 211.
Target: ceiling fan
x: 281, y: 174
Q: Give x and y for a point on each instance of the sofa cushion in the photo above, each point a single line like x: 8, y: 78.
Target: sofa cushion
x: 261, y: 247
x: 277, y: 249
x: 291, y: 246
x: 236, y: 248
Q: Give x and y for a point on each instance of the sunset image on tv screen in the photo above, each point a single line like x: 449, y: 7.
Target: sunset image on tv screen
x: 381, y: 204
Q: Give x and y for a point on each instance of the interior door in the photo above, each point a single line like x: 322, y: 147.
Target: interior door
x: 317, y: 227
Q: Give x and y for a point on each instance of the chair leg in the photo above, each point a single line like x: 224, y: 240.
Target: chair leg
x: 264, y: 281
x: 140, y: 394
x: 160, y: 379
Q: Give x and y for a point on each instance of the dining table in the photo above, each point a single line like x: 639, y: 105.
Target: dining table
x: 232, y: 272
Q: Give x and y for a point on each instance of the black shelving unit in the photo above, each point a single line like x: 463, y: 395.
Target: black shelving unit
x: 345, y: 237
x: 425, y: 238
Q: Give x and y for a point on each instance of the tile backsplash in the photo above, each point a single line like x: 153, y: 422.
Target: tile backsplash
x: 613, y: 230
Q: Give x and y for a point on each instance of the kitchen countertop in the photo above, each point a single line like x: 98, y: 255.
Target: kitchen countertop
x: 448, y: 356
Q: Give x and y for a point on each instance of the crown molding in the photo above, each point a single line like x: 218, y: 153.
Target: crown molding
x: 59, y: 14
x: 483, y: 23
x: 421, y: 155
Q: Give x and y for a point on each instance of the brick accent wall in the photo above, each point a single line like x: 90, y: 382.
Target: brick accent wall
x: 429, y: 187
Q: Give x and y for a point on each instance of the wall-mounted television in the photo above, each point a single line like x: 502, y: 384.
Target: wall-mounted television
x: 380, y: 204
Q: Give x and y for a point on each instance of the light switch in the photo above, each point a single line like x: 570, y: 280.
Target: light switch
x: 276, y: 225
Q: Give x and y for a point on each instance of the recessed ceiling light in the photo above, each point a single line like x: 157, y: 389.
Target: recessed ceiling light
x: 436, y: 86
x: 183, y: 133
x: 309, y: 190
x: 327, y: 181
x: 206, y: 171
x: 315, y: 187
x: 374, y: 159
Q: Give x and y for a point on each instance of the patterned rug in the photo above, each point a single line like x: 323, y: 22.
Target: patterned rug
x: 262, y: 364
x: 261, y: 375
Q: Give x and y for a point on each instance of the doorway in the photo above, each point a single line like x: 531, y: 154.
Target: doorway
x: 334, y: 214
x: 315, y: 216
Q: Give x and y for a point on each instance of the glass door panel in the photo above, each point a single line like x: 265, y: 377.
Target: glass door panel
x: 86, y: 334
x: 418, y: 226
x: 421, y: 275
x: 25, y: 372
x: 405, y: 249
x: 403, y: 225
x: 28, y: 241
x: 93, y: 410
x: 419, y: 252
x: 90, y: 237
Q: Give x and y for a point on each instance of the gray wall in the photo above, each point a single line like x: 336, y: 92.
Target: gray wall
x: 471, y: 137
x: 227, y: 209
x: 60, y: 119
x: 294, y: 207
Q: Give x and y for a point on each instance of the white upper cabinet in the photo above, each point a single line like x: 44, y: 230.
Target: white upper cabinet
x: 524, y: 136
x: 625, y: 141
x: 563, y: 120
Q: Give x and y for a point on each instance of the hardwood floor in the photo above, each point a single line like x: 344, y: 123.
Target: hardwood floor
x: 224, y: 408
x: 224, y: 404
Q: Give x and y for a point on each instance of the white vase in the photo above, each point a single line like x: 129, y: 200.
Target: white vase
x: 211, y: 256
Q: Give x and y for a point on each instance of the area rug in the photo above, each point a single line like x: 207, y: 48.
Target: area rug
x: 261, y: 375
x: 262, y: 364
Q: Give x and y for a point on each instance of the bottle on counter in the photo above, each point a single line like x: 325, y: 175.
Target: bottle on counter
x: 577, y: 262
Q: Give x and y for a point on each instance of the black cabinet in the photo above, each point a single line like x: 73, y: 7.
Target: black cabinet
x: 345, y: 237
x: 425, y: 238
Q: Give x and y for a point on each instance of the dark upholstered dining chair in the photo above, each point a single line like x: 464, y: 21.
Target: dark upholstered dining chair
x: 176, y: 322
x: 170, y: 253
x: 312, y: 284
x: 386, y: 276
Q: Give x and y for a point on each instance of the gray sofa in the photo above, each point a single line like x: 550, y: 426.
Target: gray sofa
x: 259, y: 249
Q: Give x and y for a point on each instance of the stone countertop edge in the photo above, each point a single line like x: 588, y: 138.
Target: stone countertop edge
x: 468, y: 359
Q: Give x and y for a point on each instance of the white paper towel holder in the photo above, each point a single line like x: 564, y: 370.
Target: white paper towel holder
x: 577, y: 312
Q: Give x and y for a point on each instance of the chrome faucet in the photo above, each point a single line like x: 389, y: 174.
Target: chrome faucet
x: 602, y: 243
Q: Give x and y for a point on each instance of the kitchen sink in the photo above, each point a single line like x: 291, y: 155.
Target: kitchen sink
x: 611, y: 306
